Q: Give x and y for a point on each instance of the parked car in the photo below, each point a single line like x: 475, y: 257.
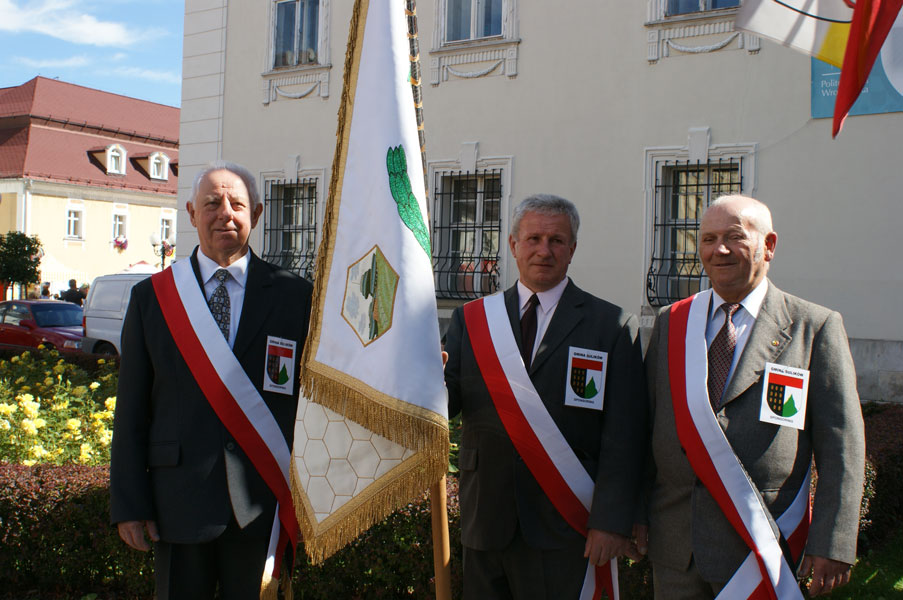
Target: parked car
x: 31, y: 323
x: 105, y: 306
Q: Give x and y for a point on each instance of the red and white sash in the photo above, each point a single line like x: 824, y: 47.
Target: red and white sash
x: 765, y: 573
x: 233, y: 397
x: 535, y: 435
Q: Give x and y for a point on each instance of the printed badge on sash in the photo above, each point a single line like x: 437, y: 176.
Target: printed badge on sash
x: 585, y: 387
x: 279, y: 372
x: 784, y: 396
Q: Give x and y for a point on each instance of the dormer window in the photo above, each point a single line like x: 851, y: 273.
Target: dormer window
x: 158, y: 166
x: 115, y: 155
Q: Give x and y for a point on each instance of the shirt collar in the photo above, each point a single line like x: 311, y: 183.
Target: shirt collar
x: 752, y: 303
x: 547, y: 299
x: 238, y: 270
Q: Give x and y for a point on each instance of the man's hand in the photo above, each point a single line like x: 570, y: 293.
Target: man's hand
x: 641, y: 538
x: 826, y: 574
x: 602, y: 546
x: 132, y: 533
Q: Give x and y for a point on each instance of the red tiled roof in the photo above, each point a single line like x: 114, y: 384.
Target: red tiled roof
x: 44, y: 147
x: 63, y: 101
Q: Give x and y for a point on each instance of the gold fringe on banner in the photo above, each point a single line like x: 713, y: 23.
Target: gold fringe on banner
x: 417, y: 429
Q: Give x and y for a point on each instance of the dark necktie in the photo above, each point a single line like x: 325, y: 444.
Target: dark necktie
x: 528, y: 331
x: 219, y: 302
x: 721, y: 355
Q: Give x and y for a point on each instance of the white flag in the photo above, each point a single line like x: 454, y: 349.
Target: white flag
x: 375, y: 431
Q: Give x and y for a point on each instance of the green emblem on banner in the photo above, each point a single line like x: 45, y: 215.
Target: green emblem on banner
x: 370, y: 295
x: 408, y: 207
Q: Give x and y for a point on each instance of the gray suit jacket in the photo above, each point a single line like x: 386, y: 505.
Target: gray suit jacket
x: 685, y: 520
x: 497, y: 491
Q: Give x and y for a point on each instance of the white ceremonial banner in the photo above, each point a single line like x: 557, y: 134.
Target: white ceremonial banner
x: 373, y: 354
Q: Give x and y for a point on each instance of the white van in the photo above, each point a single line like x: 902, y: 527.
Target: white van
x: 105, y: 309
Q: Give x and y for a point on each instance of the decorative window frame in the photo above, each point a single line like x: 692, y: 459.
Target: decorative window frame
x: 679, y: 33
x: 699, y: 148
x: 469, y: 161
x: 298, y: 81
x: 494, y: 56
x: 119, y: 210
x: 168, y: 214
x: 111, y: 151
x: 75, y: 206
x: 164, y: 166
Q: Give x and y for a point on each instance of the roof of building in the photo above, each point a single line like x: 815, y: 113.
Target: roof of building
x: 49, y: 129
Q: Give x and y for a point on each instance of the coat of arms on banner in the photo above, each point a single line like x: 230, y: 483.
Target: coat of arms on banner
x: 280, y: 365
x: 585, y: 386
x: 370, y: 296
x: 784, y: 396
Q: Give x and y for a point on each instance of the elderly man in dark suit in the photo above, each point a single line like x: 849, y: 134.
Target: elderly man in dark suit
x: 183, y: 470
x: 551, y: 339
x: 747, y: 384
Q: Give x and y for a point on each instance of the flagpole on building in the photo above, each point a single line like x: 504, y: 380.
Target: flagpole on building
x: 438, y: 494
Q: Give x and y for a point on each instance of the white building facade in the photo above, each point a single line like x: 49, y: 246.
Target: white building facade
x: 639, y: 112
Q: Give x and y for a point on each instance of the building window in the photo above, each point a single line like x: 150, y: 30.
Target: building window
x: 680, y: 7
x: 116, y: 156
x: 159, y: 166
x: 472, y: 19
x: 74, y: 224
x: 165, y: 228
x: 296, y: 33
x: 682, y: 191
x: 290, y: 224
x: 467, y: 234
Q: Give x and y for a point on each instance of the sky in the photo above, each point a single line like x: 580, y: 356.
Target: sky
x: 128, y: 47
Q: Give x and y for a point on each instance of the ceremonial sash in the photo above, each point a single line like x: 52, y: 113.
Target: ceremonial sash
x: 534, y: 434
x: 765, y: 573
x: 232, y: 396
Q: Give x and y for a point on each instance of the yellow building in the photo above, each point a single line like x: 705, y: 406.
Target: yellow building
x: 94, y: 175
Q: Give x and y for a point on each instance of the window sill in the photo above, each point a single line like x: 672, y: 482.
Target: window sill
x: 295, y: 83
x: 681, y: 35
x: 472, y: 59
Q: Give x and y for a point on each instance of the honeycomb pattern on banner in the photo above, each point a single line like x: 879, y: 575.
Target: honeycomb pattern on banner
x: 337, y: 459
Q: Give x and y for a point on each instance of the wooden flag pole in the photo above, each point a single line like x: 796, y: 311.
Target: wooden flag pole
x: 441, y: 546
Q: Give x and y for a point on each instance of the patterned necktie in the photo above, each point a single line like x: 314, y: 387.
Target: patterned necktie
x: 528, y: 330
x: 219, y: 302
x: 721, y: 355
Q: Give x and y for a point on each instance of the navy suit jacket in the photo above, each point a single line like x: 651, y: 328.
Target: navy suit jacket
x: 169, y: 448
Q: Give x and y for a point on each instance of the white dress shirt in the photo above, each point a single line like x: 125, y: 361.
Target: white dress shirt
x: 743, y: 320
x: 548, y: 302
x: 235, y: 285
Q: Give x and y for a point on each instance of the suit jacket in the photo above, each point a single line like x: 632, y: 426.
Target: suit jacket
x: 497, y: 491
x: 170, y: 450
x: 685, y: 520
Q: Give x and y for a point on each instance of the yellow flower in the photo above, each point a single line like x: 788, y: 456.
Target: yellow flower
x: 38, y: 423
x: 73, y: 424
x: 101, y: 361
x: 85, y: 453
x: 38, y: 451
x: 29, y: 462
x: 105, y: 436
x: 41, y: 346
x: 62, y: 405
x: 4, y: 425
x: 28, y: 427
x: 48, y: 381
x: 25, y: 398
x: 26, y: 388
x: 8, y: 409
x: 29, y: 406
x: 94, y: 385
x: 21, y: 379
x: 14, y: 359
x: 59, y: 369
x: 79, y: 391
x: 110, y: 403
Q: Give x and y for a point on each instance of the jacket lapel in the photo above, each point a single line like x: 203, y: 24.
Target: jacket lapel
x: 567, y: 316
x: 767, y: 340
x: 256, y: 306
x: 512, y: 301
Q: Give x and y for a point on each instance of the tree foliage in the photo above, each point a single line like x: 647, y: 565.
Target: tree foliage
x: 20, y: 258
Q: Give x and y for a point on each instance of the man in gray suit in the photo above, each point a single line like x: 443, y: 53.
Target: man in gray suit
x: 703, y: 504
x: 516, y: 542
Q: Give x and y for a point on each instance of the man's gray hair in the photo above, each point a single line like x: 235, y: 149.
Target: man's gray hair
x: 223, y: 165
x: 759, y: 217
x: 546, y: 204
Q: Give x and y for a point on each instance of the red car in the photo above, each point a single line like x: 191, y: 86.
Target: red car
x: 49, y: 322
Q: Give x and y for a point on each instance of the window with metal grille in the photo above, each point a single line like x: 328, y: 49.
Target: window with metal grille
x: 682, y: 191
x: 467, y: 233
x: 679, y: 7
x: 290, y: 225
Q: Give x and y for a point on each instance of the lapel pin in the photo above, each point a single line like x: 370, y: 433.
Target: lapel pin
x: 774, y: 342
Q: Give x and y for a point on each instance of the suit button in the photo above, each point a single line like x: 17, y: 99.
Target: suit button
x: 230, y: 446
